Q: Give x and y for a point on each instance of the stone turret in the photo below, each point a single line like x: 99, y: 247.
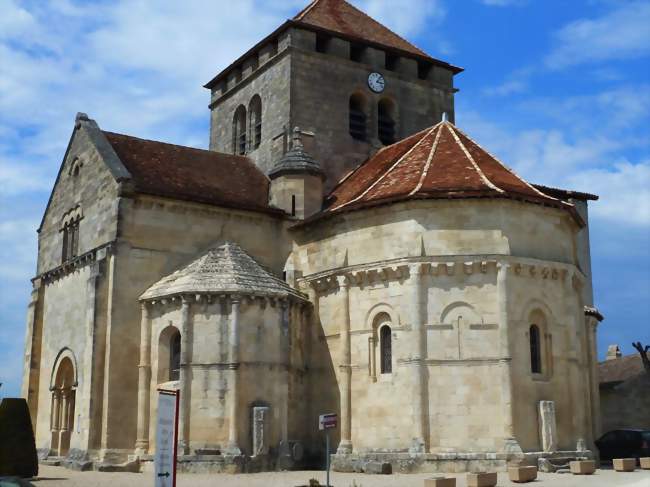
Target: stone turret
x: 297, y: 181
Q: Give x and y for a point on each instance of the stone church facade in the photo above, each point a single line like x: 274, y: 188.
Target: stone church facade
x: 375, y: 262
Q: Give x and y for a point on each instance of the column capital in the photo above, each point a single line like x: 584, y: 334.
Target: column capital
x: 343, y: 281
x: 416, y: 269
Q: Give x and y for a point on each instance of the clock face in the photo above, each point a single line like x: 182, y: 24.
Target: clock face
x: 376, y: 82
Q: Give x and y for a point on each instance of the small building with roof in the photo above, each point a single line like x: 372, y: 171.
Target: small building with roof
x: 624, y: 391
x: 376, y: 263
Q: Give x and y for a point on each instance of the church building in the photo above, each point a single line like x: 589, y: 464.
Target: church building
x: 342, y: 247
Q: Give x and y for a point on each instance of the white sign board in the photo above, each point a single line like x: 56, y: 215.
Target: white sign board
x: 327, y: 421
x: 166, y: 433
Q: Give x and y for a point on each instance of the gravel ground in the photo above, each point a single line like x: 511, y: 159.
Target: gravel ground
x: 59, y: 476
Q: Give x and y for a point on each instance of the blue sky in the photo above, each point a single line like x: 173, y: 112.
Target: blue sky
x: 558, y: 89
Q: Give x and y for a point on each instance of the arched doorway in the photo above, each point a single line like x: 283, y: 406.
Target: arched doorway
x: 63, y: 403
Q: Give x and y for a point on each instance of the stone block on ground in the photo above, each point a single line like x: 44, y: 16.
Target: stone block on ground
x: 440, y: 482
x: 486, y: 479
x: 644, y: 463
x: 582, y: 467
x: 378, y: 468
x: 18, y: 456
x: 624, y: 464
x: 522, y: 474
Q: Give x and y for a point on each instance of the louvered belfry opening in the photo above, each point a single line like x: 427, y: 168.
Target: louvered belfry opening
x: 358, y: 117
x: 386, y: 121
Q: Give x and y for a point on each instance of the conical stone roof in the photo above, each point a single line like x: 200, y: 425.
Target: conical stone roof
x: 296, y: 160
x: 226, y: 269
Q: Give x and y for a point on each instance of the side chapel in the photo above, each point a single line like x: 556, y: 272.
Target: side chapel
x: 341, y: 247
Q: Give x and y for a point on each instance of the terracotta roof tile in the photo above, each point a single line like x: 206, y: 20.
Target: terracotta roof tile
x: 620, y: 369
x: 440, y: 162
x: 341, y: 17
x: 190, y: 174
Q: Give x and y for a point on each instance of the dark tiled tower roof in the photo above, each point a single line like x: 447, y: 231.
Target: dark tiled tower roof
x: 341, y: 17
x: 296, y: 160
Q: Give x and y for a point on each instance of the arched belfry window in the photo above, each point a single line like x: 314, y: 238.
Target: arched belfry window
x: 70, y: 235
x: 386, y: 121
x: 239, y: 131
x: 358, y: 117
x: 175, y: 356
x: 386, y: 350
x: 535, y: 350
x: 255, y: 124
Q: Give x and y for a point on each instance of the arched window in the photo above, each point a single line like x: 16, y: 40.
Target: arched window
x: 535, y: 350
x: 255, y: 124
x: 358, y: 117
x: 386, y: 121
x: 175, y: 356
x: 70, y: 230
x: 239, y: 131
x: 386, y: 350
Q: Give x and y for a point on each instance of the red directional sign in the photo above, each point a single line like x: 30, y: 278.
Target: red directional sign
x: 327, y: 421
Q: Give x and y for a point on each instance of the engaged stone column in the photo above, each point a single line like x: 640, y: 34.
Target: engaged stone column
x: 417, y: 325
x: 345, y: 446
x: 511, y: 445
x: 548, y: 426
x: 144, y: 382
x: 592, y: 327
x: 184, y: 416
x: 233, y: 444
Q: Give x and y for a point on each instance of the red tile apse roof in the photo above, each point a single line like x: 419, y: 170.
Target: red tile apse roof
x: 190, y: 174
x: 341, y: 17
x: 439, y: 162
x: 620, y: 369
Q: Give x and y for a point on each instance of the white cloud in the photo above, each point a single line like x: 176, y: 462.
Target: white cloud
x: 622, y: 33
x: 407, y: 17
x: 502, y: 3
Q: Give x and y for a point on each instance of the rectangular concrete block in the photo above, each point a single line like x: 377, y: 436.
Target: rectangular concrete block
x: 486, y: 479
x: 522, y: 474
x: 582, y: 467
x: 645, y: 463
x: 624, y: 464
x: 440, y: 482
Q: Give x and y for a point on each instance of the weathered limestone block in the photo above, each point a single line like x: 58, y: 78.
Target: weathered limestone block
x: 548, y: 425
x: 624, y: 464
x: 644, y: 463
x: 440, y: 482
x: 486, y: 479
x: 582, y: 467
x: 522, y: 474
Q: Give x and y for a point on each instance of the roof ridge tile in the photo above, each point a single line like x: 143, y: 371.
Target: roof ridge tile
x: 471, y: 159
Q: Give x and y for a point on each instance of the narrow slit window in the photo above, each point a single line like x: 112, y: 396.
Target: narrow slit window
x: 357, y: 118
x: 535, y: 350
x: 386, y: 350
x: 386, y: 122
x: 175, y: 357
x: 293, y: 205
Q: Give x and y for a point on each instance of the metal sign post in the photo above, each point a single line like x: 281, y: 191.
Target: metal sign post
x: 327, y: 422
x: 166, y: 439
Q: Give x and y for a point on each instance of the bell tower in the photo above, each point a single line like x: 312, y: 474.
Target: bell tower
x: 334, y: 72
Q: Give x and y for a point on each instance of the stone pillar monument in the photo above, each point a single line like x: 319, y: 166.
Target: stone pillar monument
x: 345, y: 446
x: 547, y: 426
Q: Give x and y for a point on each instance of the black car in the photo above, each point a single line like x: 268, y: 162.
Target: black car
x: 626, y: 443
